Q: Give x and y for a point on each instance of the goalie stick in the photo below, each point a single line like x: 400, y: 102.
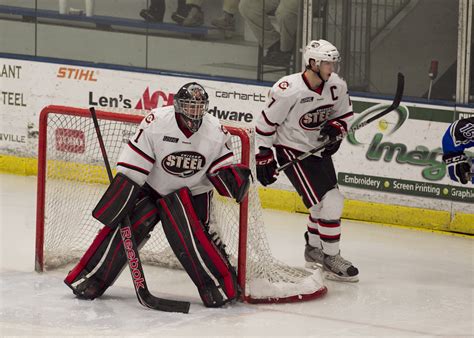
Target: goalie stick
x: 131, y: 250
x: 393, y: 106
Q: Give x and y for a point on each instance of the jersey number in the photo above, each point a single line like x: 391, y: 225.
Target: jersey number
x: 334, y: 97
x: 138, y: 136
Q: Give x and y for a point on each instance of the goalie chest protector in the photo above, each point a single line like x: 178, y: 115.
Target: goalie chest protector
x: 178, y: 159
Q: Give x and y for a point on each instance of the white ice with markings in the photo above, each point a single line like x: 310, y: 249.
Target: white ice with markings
x: 411, y: 283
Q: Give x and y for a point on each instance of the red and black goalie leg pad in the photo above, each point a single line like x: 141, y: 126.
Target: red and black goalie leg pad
x: 105, y: 259
x: 204, y: 261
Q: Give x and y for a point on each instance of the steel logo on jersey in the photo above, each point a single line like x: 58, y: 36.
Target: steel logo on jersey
x: 314, y: 118
x: 183, y: 163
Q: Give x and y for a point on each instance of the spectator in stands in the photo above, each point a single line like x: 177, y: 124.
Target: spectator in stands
x: 227, y: 20
x: 190, y: 14
x: 279, y: 45
x: 156, y: 11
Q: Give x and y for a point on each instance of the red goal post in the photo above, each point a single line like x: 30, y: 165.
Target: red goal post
x: 72, y: 177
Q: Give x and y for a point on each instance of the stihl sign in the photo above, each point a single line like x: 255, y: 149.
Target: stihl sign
x: 74, y: 73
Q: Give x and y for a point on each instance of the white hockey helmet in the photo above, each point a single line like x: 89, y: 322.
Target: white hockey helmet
x: 320, y: 50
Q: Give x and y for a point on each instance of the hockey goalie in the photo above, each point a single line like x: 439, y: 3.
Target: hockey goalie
x: 166, y: 173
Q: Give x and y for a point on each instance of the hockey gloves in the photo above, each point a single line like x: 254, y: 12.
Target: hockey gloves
x: 331, y: 131
x: 459, y: 167
x: 232, y: 181
x: 266, y: 166
x: 117, y: 201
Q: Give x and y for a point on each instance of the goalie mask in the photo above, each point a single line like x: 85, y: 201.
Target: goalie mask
x: 191, y: 102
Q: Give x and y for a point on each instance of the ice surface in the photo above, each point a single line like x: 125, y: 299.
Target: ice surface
x: 411, y: 283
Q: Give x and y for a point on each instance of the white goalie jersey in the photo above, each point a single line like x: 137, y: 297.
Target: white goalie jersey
x: 295, y: 113
x: 166, y: 157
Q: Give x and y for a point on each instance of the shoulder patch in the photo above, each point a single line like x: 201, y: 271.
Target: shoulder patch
x: 283, y: 85
x: 150, y: 118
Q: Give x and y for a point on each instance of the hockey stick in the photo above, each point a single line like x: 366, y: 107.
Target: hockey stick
x: 131, y: 251
x: 393, y: 106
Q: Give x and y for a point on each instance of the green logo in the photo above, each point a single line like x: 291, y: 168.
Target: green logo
x: 401, y: 111
x: 420, y: 156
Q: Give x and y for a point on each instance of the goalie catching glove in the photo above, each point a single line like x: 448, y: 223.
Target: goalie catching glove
x: 459, y: 167
x: 232, y: 181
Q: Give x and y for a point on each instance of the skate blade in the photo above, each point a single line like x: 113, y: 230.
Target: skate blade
x: 313, y: 265
x: 332, y: 276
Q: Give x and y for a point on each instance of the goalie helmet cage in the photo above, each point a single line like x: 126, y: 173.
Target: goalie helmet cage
x: 72, y: 178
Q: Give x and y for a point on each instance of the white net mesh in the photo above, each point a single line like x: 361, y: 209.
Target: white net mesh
x: 76, y: 179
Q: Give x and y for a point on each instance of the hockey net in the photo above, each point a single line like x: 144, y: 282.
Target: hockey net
x: 72, y: 178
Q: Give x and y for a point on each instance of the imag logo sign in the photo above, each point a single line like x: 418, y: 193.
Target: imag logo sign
x: 421, y: 156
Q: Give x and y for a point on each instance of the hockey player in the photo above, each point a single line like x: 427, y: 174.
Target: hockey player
x: 457, y: 138
x: 166, y: 173
x: 302, y: 111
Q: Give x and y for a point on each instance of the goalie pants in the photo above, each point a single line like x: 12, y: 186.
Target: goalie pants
x: 105, y: 258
